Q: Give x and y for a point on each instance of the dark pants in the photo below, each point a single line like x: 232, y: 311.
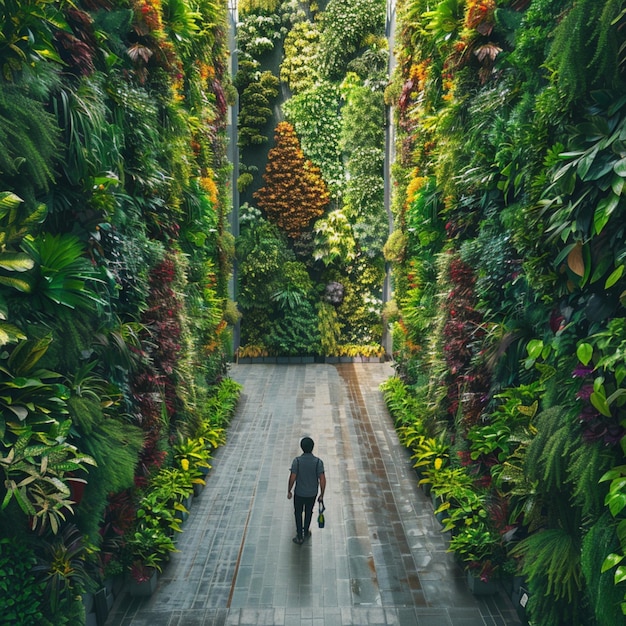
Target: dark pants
x: 303, y: 506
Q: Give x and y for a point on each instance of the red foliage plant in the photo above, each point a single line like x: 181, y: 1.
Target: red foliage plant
x: 163, y: 318
x: 463, y: 332
x: 294, y: 193
x: 156, y: 384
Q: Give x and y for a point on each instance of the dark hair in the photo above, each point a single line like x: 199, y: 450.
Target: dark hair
x: 306, y: 443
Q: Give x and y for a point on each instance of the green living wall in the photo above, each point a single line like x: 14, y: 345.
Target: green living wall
x: 115, y: 325
x: 508, y: 256
x: 311, y: 138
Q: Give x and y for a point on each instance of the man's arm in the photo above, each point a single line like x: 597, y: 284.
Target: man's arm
x: 322, y: 487
x: 292, y: 480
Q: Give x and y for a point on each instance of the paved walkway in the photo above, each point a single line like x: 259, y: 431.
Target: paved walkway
x: 380, y: 560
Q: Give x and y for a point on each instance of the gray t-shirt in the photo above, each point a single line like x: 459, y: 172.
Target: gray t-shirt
x: 307, y: 468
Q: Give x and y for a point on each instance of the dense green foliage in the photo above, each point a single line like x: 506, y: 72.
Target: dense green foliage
x: 509, y: 198
x: 332, y: 69
x: 509, y: 273
x: 114, y: 264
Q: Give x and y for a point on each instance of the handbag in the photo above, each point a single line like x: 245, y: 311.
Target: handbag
x: 320, y: 515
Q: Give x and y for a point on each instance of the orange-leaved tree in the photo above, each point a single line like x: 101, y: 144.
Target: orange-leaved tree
x: 295, y: 192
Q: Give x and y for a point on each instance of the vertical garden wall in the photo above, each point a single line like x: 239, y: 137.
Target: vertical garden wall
x: 311, y: 134
x: 508, y: 256
x: 114, y: 260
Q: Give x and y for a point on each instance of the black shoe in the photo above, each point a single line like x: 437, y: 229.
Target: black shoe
x: 307, y: 535
x: 297, y: 539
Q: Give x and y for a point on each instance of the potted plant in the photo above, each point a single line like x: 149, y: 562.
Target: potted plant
x: 173, y: 485
x: 192, y: 457
x: 159, y: 507
x: 480, y: 550
x: 193, y: 450
x: 149, y: 546
x: 431, y: 454
x: 213, y: 436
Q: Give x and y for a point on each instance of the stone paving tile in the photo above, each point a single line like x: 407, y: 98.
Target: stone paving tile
x: 380, y: 560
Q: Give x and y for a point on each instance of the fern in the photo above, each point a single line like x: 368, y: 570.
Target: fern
x: 86, y: 413
x: 584, y: 49
x: 552, y: 558
x: 605, y: 34
x: 587, y: 464
x: 399, y: 402
x: 603, y: 595
x: 73, y: 334
x: 115, y: 446
x: 548, y: 454
x: 29, y: 141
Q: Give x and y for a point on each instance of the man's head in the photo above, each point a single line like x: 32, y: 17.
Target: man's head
x: 306, y: 443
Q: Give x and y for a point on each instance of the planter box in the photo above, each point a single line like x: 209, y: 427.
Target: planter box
x: 437, y: 502
x: 143, y: 589
x: 520, y: 598
x: 479, y: 587
x: 297, y: 360
x: 441, y: 517
x: 77, y: 490
x: 419, y: 473
x: 104, y: 599
x: 512, y: 585
x: 114, y: 584
x: 183, y: 516
x: 88, y: 601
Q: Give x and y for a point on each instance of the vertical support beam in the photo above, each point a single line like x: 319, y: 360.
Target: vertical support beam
x: 233, y: 155
x: 390, y: 27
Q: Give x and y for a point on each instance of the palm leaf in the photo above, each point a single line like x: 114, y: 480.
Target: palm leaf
x: 62, y: 274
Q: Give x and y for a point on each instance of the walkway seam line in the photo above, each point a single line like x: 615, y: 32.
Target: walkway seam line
x: 243, y: 541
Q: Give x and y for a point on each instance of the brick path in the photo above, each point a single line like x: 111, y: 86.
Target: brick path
x: 380, y: 560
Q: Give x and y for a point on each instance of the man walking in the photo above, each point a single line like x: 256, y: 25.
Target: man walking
x: 307, y: 474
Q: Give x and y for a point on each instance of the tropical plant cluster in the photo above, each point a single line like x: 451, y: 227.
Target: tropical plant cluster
x: 115, y: 322
x: 313, y: 221
x: 508, y: 259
